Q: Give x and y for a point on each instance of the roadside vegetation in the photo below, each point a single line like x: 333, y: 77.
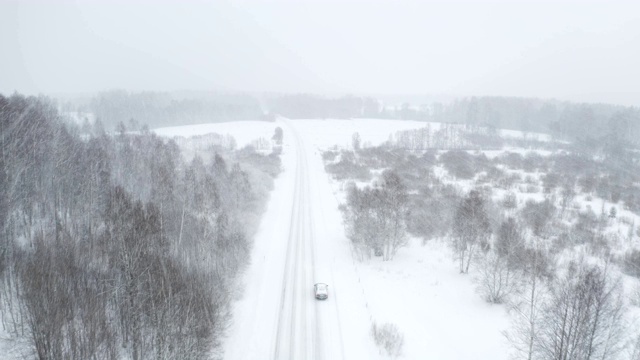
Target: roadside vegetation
x: 550, y: 229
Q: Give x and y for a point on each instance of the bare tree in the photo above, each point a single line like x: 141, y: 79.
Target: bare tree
x: 360, y: 223
x: 376, y: 217
x: 538, y: 215
x: 510, y: 242
x: 527, y: 307
x: 67, y: 315
x: 583, y: 317
x: 277, y: 135
x: 634, y: 353
x: 356, y: 142
x: 471, y: 229
x: 395, y: 200
x: 567, y: 194
x: 497, y: 279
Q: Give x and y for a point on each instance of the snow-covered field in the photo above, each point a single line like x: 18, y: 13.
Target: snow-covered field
x: 243, y: 131
x: 516, y: 134
x: 301, y: 240
x: 322, y: 133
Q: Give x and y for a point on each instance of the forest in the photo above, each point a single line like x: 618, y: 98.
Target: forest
x: 113, y: 244
x: 157, y: 109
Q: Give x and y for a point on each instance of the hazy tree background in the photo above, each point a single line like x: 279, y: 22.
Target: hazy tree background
x: 594, y: 128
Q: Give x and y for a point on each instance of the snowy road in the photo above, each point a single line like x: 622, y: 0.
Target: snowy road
x: 297, y: 336
x: 300, y: 242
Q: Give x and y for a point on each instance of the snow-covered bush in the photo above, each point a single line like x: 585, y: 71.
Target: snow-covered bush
x: 538, y: 215
x: 496, y: 279
x: 431, y: 214
x: 459, y: 163
x: 471, y: 229
x: 388, y: 338
x: 329, y: 156
x: 510, y: 200
x: 348, y: 168
x: 512, y: 160
x: 376, y: 217
x: 500, y: 270
x: 631, y: 263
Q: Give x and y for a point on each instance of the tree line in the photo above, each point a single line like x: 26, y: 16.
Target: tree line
x: 113, y: 245
x: 158, y: 109
x: 598, y: 127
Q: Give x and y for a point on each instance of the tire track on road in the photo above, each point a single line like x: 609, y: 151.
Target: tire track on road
x: 306, y: 328
x: 295, y: 320
x: 286, y: 311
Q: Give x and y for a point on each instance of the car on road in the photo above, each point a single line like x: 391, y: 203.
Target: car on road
x: 321, y: 291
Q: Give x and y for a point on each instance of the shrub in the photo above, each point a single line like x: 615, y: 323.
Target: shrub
x: 631, y: 199
x: 428, y: 158
x: 329, y: 156
x: 388, y: 338
x: 459, y: 164
x: 533, y: 161
x: 497, y: 280
x: 431, y: 213
x: 509, y: 181
x: 588, y: 183
x: 532, y: 189
x: 510, y: 200
x: 550, y: 182
x: 631, y: 263
x: 348, y: 168
x: 537, y: 215
x: 495, y: 173
x: 513, y: 160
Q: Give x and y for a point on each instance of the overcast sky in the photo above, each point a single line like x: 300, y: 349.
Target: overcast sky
x: 580, y: 50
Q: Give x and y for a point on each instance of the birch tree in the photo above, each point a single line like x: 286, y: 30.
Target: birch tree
x: 471, y: 229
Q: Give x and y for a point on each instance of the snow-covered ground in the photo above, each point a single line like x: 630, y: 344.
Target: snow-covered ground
x: 301, y: 241
x: 243, y: 131
x: 517, y: 134
x: 322, y: 133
